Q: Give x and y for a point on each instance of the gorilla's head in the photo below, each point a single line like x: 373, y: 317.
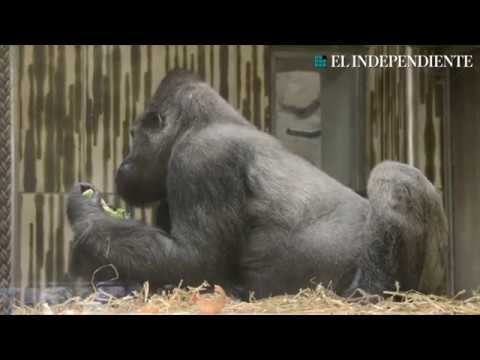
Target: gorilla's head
x: 141, y: 177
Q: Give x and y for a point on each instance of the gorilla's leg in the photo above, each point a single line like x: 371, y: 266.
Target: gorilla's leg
x: 409, y: 228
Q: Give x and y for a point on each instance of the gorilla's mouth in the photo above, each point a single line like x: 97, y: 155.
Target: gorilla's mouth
x: 84, y: 188
x: 139, y: 197
x: 139, y: 185
x: 138, y: 193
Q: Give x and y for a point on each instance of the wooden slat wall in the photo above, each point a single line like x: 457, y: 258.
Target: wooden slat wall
x: 387, y: 124
x: 429, y: 92
x: 74, y: 106
x: 49, y: 112
x: 50, y: 86
x: 386, y: 110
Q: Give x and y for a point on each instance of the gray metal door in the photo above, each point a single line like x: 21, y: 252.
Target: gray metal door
x: 319, y: 113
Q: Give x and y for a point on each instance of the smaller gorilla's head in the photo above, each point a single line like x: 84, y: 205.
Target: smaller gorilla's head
x: 141, y: 178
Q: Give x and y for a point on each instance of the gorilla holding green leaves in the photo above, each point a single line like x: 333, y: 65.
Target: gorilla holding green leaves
x: 247, y: 214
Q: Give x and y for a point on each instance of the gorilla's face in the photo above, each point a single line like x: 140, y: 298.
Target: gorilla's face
x: 141, y: 178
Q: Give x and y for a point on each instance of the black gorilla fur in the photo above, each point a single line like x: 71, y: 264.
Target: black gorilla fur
x: 247, y: 214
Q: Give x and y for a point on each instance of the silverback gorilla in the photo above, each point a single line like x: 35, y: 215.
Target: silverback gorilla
x: 247, y: 214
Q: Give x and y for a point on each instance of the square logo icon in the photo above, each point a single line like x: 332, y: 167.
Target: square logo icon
x: 320, y: 61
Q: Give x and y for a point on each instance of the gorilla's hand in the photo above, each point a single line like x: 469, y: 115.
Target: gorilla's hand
x: 81, y: 207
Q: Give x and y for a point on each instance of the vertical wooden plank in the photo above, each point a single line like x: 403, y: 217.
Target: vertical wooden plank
x: 208, y: 67
x: 216, y: 67
x: 260, y: 86
x: 266, y: 87
x: 429, y: 130
x: 202, y: 64
x: 439, y: 116
x: 179, y: 54
x: 96, y: 170
x: 232, y: 71
x: 171, y: 57
x: 255, y: 89
x: 192, y: 57
x: 223, y: 71
x: 246, y: 86
x: 159, y: 65
x: 239, y: 82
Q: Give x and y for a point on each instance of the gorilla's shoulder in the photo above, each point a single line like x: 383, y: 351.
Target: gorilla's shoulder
x: 219, y: 139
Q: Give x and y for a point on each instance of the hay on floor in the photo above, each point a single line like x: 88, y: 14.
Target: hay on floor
x: 319, y: 301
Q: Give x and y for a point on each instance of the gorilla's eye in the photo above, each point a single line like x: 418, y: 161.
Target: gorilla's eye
x: 154, y: 121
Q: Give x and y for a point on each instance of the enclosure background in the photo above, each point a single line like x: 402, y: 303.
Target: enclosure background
x: 73, y: 106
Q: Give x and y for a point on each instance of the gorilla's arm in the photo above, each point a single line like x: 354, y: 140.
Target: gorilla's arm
x: 137, y: 251
x: 208, y: 199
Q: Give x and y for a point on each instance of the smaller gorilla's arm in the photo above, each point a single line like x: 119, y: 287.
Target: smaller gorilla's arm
x: 137, y: 251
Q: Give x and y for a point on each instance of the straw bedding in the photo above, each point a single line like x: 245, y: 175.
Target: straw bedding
x: 320, y: 301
